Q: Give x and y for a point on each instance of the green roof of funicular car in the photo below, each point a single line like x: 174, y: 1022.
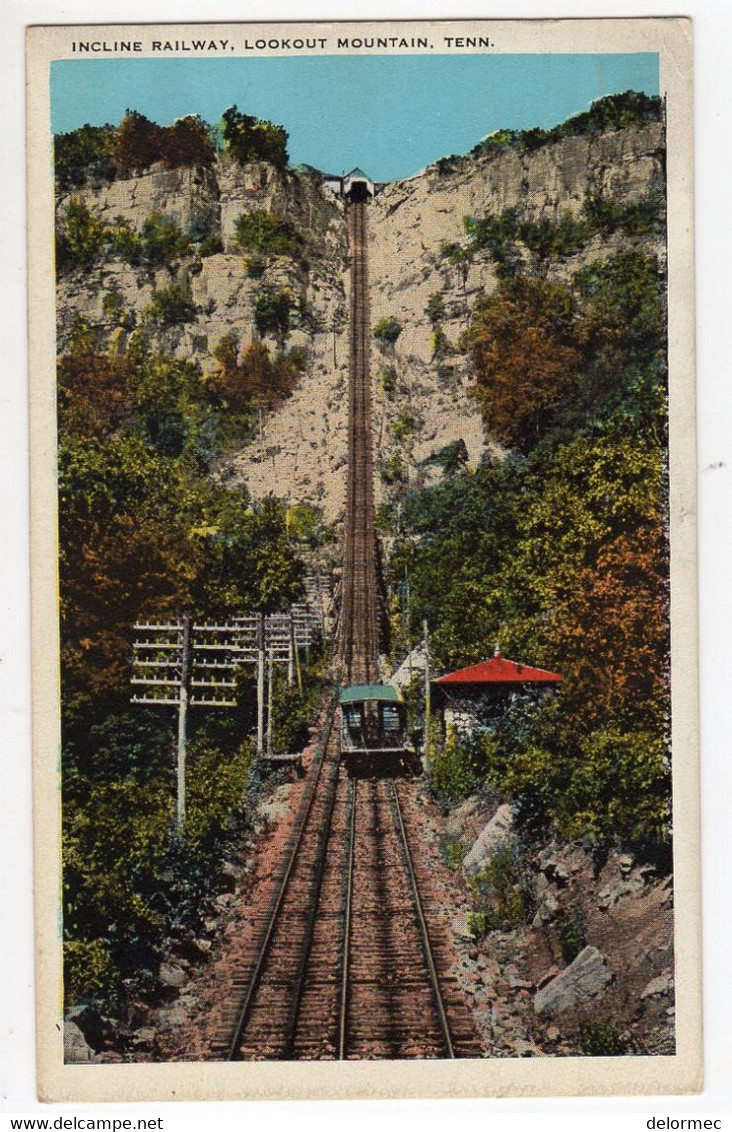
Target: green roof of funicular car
x: 357, y: 693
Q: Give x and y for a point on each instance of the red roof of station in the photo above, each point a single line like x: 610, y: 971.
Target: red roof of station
x: 498, y: 670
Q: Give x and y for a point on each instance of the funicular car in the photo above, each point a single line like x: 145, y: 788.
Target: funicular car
x: 373, y: 721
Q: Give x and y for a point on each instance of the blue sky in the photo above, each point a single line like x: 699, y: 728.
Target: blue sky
x: 392, y: 115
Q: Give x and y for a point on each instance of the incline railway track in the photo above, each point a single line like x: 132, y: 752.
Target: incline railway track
x: 352, y: 958
x: 359, y: 643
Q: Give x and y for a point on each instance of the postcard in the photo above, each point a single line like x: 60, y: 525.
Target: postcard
x: 364, y: 559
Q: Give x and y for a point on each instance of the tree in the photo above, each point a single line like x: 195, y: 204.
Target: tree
x: 272, y: 312
x: 137, y: 144
x: 248, y: 138
x: 83, y: 154
x: 525, y: 357
x: 186, y: 143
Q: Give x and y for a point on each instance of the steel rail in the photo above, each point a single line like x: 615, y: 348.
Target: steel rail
x: 347, y: 912
x: 312, y: 915
x: 423, y: 930
x: 263, y: 947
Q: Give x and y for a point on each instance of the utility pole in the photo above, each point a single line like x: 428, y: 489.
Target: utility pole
x: 291, y: 650
x: 270, y: 671
x: 184, y: 692
x: 427, y: 699
x: 260, y: 684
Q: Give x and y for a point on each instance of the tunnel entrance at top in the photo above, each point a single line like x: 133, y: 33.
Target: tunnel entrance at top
x: 357, y: 186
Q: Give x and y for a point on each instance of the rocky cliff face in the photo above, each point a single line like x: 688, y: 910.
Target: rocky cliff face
x: 421, y: 381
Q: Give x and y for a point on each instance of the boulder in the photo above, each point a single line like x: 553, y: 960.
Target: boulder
x: 660, y: 985
x: 495, y: 835
x: 95, y: 1028
x: 173, y: 975
x: 76, y: 1047
x: 458, y: 818
x: 586, y: 978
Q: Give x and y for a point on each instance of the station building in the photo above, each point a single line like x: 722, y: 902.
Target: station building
x: 477, y: 698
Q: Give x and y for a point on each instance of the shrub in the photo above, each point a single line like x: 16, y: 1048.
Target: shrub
x: 452, y: 458
x: 393, y: 470
x: 388, y: 379
x: 404, y: 425
x: 455, y: 769
x: 273, y: 312
x: 266, y: 233
x: 171, y: 306
x: 88, y: 969
x: 162, y: 240
x: 81, y: 239
x: 387, y: 330
x: 255, y: 266
x: 603, y: 1039
x: 439, y: 343
x: 479, y: 923
x: 211, y: 245
x: 453, y: 853
x: 572, y: 937
x: 502, y: 890
x: 435, y: 309
x: 125, y: 242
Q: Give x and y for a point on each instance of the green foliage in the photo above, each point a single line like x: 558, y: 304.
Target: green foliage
x: 479, y: 922
x: 388, y: 379
x: 435, y: 309
x: 171, y: 306
x: 452, y: 852
x: 210, y: 245
x: 404, y: 425
x: 603, y: 1039
x: 305, y: 523
x: 572, y: 939
x: 387, y: 330
x: 247, y: 138
x: 452, y: 458
x: 551, y: 239
x: 266, y: 233
x: 613, y: 112
x: 393, y: 470
x: 273, y: 312
x: 146, y: 532
x: 560, y: 552
x: 501, y: 893
x: 83, y: 155
x: 456, y: 768
x: 80, y: 239
x: 161, y: 240
x: 439, y: 343
x: 445, y: 165
x: 88, y: 968
x: 98, y: 153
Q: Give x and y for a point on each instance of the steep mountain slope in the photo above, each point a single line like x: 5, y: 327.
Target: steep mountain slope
x: 423, y: 273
